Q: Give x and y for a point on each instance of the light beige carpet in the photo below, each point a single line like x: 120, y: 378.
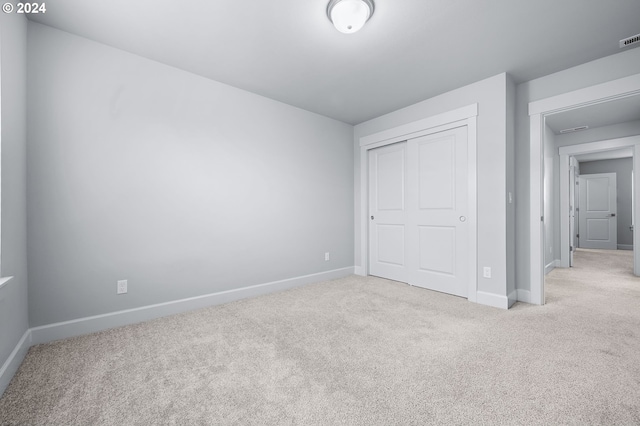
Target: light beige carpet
x: 356, y: 351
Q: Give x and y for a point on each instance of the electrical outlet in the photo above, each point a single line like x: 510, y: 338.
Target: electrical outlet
x: 122, y: 287
x: 326, y: 257
x: 486, y: 272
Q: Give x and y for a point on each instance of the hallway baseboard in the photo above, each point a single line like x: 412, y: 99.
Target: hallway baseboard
x: 550, y: 266
x: 524, y: 296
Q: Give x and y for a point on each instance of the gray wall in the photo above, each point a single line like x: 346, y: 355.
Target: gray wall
x: 622, y: 167
x: 599, y: 71
x: 13, y: 296
x: 491, y: 95
x: 182, y: 185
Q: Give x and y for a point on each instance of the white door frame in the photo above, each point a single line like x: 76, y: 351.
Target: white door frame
x: 572, y: 208
x: 566, y: 152
x: 538, y: 110
x: 465, y: 116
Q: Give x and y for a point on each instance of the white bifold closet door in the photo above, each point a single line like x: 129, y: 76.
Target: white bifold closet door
x: 424, y: 181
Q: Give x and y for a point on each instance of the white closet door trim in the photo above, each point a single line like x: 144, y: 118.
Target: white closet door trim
x: 420, y: 127
x: 465, y: 116
x: 473, y: 209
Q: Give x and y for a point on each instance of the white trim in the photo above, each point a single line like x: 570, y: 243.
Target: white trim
x: 4, y: 281
x: 12, y: 363
x: 472, y: 166
x: 490, y: 299
x: 636, y: 211
x: 599, y: 93
x: 625, y: 246
x: 565, y: 153
x: 620, y: 88
x: 465, y: 116
x: 77, y: 327
x: 549, y: 267
x: 600, y: 146
x: 513, y: 297
x: 565, y: 240
x: 359, y: 270
x: 524, y: 296
x: 536, y: 212
x: 417, y: 128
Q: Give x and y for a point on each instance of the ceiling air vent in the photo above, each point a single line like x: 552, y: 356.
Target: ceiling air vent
x: 574, y: 129
x: 629, y: 41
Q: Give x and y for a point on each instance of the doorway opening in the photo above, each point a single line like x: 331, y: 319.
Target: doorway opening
x: 602, y: 170
x: 577, y: 104
x: 598, y: 207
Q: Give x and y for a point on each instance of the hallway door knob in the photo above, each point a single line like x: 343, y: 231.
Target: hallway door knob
x: 463, y: 218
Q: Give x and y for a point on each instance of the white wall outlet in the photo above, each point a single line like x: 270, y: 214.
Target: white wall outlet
x: 326, y: 256
x: 122, y: 287
x: 486, y: 272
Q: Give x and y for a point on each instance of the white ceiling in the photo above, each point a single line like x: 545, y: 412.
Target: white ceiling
x: 410, y: 50
x: 602, y: 114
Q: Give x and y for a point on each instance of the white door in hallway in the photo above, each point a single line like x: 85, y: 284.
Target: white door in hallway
x: 437, y: 227
x: 387, y: 212
x: 598, y: 221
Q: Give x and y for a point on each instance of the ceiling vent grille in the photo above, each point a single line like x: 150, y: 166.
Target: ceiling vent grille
x: 630, y: 41
x: 574, y: 129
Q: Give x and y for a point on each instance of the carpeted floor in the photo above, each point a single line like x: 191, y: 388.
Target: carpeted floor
x: 356, y: 351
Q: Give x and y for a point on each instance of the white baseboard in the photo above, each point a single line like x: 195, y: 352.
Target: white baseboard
x: 512, y: 297
x: 625, y: 246
x: 12, y: 363
x: 523, y: 295
x: 4, y: 281
x: 359, y: 270
x: 549, y: 267
x: 491, y: 299
x: 77, y: 327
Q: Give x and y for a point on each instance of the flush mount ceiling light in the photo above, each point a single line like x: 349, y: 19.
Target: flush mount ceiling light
x: 348, y: 16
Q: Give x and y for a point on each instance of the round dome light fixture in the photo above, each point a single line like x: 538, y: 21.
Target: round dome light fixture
x: 348, y: 16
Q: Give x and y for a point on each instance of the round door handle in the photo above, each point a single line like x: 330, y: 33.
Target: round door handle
x: 463, y: 219
x: 371, y: 217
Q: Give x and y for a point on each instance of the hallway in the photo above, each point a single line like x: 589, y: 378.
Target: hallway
x: 600, y: 278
